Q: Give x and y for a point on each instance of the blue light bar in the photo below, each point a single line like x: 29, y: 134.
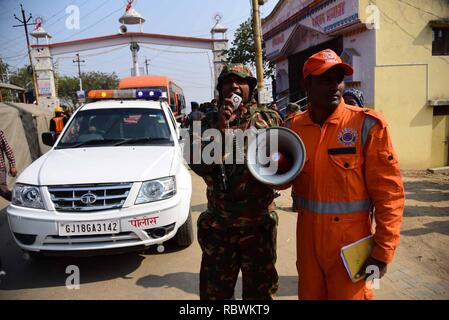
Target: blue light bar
x: 149, y: 94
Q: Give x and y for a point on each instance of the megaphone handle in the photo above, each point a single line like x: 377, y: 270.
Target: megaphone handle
x: 224, y: 178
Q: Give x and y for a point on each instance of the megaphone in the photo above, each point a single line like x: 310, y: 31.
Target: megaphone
x: 276, y: 156
x: 123, y: 29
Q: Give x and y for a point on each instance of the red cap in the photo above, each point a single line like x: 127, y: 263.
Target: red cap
x: 322, y: 61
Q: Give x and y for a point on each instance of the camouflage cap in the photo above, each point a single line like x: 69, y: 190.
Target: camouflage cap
x: 239, y: 70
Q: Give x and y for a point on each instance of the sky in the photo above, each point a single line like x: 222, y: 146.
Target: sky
x: 194, y: 18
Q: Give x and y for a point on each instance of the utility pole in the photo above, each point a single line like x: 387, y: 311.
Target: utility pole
x: 25, y: 24
x: 258, y: 47
x: 78, y: 61
x: 134, y: 47
x: 147, y: 62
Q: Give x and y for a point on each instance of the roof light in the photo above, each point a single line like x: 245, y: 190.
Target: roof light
x: 152, y: 94
x: 148, y: 94
x: 124, y: 94
x: 100, y: 94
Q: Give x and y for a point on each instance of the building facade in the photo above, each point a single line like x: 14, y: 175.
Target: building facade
x: 399, y: 50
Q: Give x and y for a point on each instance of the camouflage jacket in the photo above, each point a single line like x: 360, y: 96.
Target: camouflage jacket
x: 247, y: 199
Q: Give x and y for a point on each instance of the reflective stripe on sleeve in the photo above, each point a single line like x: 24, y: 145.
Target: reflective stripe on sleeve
x: 368, y: 123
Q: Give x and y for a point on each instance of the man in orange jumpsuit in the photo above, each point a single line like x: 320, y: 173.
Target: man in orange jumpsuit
x: 58, y: 122
x: 350, y: 166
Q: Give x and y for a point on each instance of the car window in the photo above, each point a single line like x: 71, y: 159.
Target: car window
x: 109, y: 126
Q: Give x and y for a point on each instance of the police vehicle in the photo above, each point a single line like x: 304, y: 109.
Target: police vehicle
x: 114, y: 179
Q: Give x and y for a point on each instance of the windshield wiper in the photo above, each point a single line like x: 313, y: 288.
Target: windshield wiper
x: 90, y: 142
x: 140, y: 140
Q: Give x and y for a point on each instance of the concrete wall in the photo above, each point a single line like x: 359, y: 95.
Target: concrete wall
x: 440, y: 138
x: 364, y: 44
x: 407, y: 76
x: 401, y: 98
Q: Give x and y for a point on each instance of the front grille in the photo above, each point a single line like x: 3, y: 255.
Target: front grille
x: 91, y: 239
x: 82, y: 198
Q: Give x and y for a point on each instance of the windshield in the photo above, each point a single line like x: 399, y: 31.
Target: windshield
x: 117, y: 127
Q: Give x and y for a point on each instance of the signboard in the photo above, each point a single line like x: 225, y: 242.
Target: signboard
x: 81, y: 95
x: 333, y: 16
x: 44, y: 88
x: 288, y: 9
x: 275, y: 44
x: 265, y: 96
x: 326, y: 17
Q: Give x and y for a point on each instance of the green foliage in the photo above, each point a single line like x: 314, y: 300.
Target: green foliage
x: 68, y: 86
x: 242, y: 50
x: 4, y: 68
x: 22, y: 78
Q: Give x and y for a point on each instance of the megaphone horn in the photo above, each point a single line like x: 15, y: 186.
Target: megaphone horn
x: 276, y: 156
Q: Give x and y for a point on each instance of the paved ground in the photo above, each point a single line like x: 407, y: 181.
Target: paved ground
x: 421, y: 266
x: 420, y: 269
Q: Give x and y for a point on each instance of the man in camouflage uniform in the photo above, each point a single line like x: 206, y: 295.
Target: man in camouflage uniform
x: 238, y: 230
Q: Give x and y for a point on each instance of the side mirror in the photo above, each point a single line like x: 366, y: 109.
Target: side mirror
x: 48, y: 138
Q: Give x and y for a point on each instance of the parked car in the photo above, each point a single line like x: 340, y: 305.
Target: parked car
x: 114, y: 179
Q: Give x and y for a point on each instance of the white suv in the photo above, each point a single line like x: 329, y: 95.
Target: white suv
x: 115, y: 178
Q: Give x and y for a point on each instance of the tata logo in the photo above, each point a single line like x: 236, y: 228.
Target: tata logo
x: 88, y: 198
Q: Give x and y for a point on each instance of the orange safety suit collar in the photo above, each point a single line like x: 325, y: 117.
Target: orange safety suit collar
x: 333, y: 118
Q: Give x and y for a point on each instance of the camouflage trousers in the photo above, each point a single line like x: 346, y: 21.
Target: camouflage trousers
x: 227, y: 250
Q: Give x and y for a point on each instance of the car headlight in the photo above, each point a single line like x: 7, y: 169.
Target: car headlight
x: 158, y: 189
x: 27, y: 196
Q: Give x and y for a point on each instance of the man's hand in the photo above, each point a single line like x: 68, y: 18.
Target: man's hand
x: 13, y: 171
x: 226, y: 114
x: 381, y: 266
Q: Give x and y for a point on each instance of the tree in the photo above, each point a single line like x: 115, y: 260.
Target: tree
x: 68, y: 86
x: 23, y: 78
x: 242, y: 50
x: 4, y: 70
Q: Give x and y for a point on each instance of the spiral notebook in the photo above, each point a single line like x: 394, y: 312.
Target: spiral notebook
x: 355, y: 254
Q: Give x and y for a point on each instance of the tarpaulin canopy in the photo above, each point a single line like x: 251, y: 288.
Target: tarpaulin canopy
x: 11, y: 124
x: 35, y: 121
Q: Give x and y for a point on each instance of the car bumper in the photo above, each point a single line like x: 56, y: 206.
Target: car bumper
x: 38, y: 230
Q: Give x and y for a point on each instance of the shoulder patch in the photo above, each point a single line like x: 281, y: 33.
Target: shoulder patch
x: 376, y: 115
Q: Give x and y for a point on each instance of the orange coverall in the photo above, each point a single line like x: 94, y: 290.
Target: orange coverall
x: 350, y: 166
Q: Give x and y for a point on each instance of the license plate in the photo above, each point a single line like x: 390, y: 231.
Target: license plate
x: 87, y: 228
